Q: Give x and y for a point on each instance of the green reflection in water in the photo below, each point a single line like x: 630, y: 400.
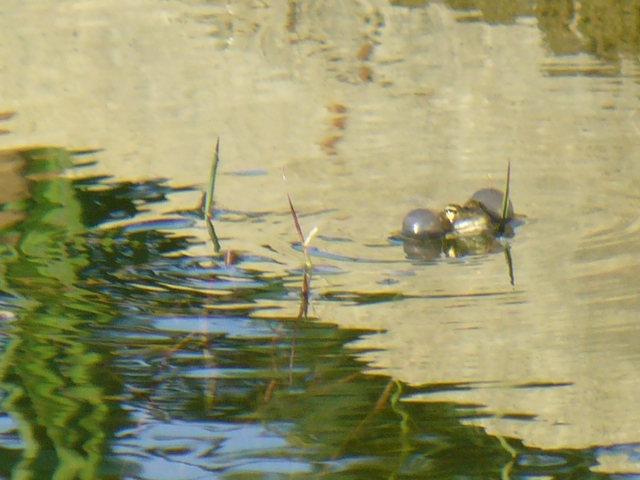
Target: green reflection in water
x: 605, y: 28
x: 610, y: 27
x: 47, y: 371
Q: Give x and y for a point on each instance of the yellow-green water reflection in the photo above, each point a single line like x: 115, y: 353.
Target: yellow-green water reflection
x: 51, y: 376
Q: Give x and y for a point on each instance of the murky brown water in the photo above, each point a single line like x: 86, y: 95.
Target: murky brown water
x: 373, y: 110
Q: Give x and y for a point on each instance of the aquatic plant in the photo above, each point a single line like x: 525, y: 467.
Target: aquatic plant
x: 308, y: 265
x: 208, y: 204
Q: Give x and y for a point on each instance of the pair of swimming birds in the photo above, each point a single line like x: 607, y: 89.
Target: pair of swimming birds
x: 481, y: 215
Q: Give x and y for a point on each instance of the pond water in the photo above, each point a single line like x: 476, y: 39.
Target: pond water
x: 131, y: 350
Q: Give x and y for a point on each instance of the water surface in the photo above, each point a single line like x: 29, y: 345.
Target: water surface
x: 371, y: 110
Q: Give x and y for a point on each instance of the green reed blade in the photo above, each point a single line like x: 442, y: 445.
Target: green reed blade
x: 208, y: 203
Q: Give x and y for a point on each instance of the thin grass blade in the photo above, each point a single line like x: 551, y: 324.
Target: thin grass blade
x: 208, y: 205
x: 208, y: 202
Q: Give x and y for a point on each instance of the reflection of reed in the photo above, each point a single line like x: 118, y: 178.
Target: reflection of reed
x: 380, y: 404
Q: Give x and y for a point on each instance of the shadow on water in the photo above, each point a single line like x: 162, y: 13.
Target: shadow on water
x: 122, y: 357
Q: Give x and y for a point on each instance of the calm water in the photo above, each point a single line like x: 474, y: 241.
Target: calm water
x: 129, y: 350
